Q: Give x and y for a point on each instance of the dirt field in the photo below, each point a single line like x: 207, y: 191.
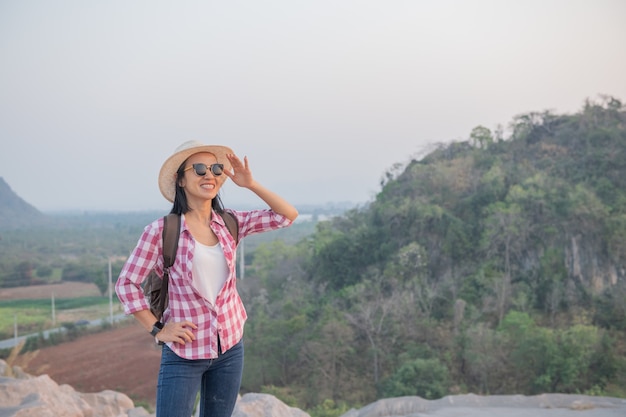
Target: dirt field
x: 124, y: 359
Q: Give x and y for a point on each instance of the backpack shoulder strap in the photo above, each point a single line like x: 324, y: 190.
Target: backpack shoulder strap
x: 231, y: 224
x: 171, y: 234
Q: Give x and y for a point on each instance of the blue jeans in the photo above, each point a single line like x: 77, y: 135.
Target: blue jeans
x: 218, y: 381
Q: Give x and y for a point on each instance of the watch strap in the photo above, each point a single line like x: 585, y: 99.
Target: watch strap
x: 156, y: 328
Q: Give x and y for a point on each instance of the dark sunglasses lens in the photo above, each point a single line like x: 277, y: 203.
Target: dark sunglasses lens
x: 200, y: 169
x: 217, y: 169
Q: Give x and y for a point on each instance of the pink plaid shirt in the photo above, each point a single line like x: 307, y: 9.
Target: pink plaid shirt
x: 227, y: 317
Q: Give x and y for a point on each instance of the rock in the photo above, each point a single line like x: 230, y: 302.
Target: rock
x: 38, y: 397
x: 20, y: 374
x: 28, y: 396
x: 23, y: 395
x: 265, y: 405
x: 108, y: 403
x: 471, y: 405
x: 139, y: 412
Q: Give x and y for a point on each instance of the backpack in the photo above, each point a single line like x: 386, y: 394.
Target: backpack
x: 155, y: 288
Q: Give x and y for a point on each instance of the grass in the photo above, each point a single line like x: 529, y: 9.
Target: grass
x: 36, y: 315
x: 56, y: 275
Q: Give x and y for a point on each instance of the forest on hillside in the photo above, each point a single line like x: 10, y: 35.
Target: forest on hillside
x: 494, y: 265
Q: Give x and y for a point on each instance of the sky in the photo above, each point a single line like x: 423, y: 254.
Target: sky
x: 323, y: 96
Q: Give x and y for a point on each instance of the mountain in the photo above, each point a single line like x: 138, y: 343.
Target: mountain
x: 540, y: 213
x: 16, y: 213
x: 489, y: 265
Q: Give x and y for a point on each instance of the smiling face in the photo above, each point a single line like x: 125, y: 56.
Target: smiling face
x: 198, y: 188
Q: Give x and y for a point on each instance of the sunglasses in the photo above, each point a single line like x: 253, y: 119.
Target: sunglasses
x: 201, y: 169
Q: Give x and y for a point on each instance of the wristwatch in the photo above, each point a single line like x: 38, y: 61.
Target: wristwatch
x: 156, y: 327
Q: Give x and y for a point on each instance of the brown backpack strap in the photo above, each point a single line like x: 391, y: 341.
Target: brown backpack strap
x: 171, y: 234
x: 231, y: 224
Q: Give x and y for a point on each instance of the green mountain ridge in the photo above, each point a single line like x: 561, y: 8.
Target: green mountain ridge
x: 558, y: 184
x: 493, y: 265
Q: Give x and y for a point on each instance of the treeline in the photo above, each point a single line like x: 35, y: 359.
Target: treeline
x: 69, y: 247
x: 79, y: 246
x: 492, y: 266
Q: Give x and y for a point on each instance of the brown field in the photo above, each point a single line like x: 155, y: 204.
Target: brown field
x: 123, y: 359
x: 61, y: 290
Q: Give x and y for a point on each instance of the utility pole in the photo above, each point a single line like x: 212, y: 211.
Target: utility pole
x: 110, y: 295
x: 54, y: 315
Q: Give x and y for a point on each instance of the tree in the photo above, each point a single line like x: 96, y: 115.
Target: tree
x: 25, y: 273
x: 505, y: 235
x: 484, y: 358
x: 409, y: 267
x: 328, y: 353
x: 481, y: 137
x: 44, y: 271
x: 426, y: 378
x: 553, y: 360
x: 370, y: 313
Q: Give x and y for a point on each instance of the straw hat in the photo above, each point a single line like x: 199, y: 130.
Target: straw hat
x: 167, y: 175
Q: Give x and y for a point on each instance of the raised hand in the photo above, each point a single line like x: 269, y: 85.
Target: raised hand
x: 241, y: 173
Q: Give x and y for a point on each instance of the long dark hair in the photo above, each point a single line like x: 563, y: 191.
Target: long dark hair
x: 180, y: 205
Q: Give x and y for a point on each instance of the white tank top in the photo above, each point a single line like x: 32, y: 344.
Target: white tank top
x: 209, y: 270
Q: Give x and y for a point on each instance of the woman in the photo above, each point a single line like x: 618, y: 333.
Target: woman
x: 202, y: 328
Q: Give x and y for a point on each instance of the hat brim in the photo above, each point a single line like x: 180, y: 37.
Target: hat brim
x: 167, y: 175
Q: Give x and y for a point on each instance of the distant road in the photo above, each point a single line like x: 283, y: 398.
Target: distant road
x: 11, y: 343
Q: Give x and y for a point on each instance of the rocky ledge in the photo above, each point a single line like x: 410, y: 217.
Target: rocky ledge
x: 23, y: 395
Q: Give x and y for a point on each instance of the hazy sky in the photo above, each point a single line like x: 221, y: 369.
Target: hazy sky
x: 323, y: 96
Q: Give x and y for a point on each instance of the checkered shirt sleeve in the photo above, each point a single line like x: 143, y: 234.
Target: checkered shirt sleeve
x: 146, y: 256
